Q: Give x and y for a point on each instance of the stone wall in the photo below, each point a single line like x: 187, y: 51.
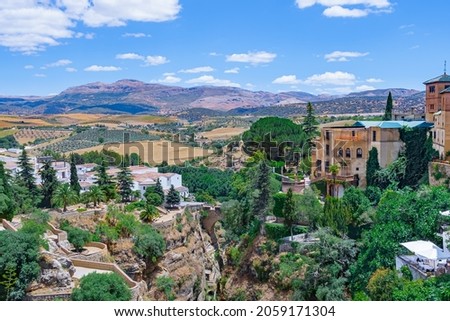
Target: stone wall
x: 8, y: 226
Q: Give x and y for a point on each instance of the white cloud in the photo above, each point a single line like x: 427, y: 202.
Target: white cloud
x: 130, y: 56
x: 28, y: 67
x: 374, y: 80
x: 135, y: 35
x: 338, y: 11
x: 232, y: 71
x: 169, y: 79
x: 59, y: 63
x: 365, y: 88
x: 342, y: 56
x: 32, y: 25
x: 250, y: 85
x: 197, y: 70
x: 40, y: 75
x: 287, y: 80
x: 102, y: 68
x: 337, y: 78
x: 214, y: 54
x: 254, y: 58
x: 156, y: 60
x: 407, y: 26
x: 71, y: 69
x: 210, y: 80
x: 338, y: 8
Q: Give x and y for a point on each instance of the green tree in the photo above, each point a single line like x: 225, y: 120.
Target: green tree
x: 310, y: 208
x: 336, y: 215
x: 9, y: 279
x: 49, y: 184
x: 74, y: 183
x: 64, y: 196
x: 358, y: 205
x: 102, y: 287
x: 159, y: 190
x: 382, y: 284
x: 150, y: 212
x: 19, y: 251
x: 8, y: 205
x: 261, y: 195
x: 389, y: 107
x: 77, y: 236
x: 124, y: 183
x: 105, y: 181
x: 152, y: 197
x: 165, y: 284
x: 149, y: 244
x: 173, y: 197
x: 310, y: 125
x: 372, y: 167
x: 289, y: 212
x: 96, y: 195
x: 26, y: 173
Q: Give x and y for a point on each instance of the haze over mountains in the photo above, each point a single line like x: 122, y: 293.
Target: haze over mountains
x: 136, y: 97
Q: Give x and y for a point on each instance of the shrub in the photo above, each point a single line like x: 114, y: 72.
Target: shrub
x: 275, y: 231
x: 102, y: 287
x: 165, y: 284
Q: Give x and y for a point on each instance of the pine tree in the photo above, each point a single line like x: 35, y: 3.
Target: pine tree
x: 74, y: 183
x: 389, y: 107
x: 289, y: 212
x: 49, y: 184
x: 310, y: 125
x: 8, y: 205
x: 372, y: 167
x: 173, y: 197
x: 124, y: 183
x: 26, y: 174
x: 104, y: 180
x: 159, y: 189
x: 261, y: 195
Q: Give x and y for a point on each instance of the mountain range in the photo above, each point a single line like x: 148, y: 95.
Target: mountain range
x: 136, y: 97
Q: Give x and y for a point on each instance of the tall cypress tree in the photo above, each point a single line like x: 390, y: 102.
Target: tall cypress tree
x: 74, y: 183
x: 26, y: 173
x: 372, y: 167
x: 49, y: 184
x: 159, y: 189
x: 310, y: 125
x: 261, y: 195
x: 389, y: 107
x: 124, y: 183
x: 289, y: 212
x: 8, y: 206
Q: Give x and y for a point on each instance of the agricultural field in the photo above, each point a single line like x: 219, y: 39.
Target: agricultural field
x: 30, y: 135
x: 7, y: 132
x: 93, y: 137
x: 7, y: 121
x: 223, y: 133
x: 154, y: 152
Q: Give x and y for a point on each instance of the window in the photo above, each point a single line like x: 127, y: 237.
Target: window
x: 434, y: 133
x: 374, y: 136
x: 327, y: 135
x: 348, y: 153
x: 359, y: 153
x: 327, y: 166
x: 341, y: 152
x: 431, y: 106
x: 327, y: 150
x: 353, y: 133
x: 447, y: 86
x: 432, y: 89
x: 357, y: 169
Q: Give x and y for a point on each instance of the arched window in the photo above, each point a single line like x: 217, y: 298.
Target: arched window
x: 348, y: 153
x: 341, y: 152
x: 359, y: 153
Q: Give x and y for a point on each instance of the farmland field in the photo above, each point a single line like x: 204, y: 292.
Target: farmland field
x: 154, y: 152
x: 29, y: 135
x: 223, y: 133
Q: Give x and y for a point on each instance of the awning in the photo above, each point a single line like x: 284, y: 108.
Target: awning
x: 426, y: 249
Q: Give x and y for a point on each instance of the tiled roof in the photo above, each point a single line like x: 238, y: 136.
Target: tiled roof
x: 393, y: 124
x: 441, y: 78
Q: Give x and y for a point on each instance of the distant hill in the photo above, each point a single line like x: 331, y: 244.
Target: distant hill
x: 136, y: 97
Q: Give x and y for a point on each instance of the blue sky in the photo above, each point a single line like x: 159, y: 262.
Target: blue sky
x: 317, y: 46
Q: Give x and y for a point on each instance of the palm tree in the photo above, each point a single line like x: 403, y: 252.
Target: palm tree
x: 64, y: 196
x: 334, y: 170
x: 149, y: 213
x: 96, y: 195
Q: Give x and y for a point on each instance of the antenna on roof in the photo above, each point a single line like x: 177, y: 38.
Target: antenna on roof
x: 445, y: 67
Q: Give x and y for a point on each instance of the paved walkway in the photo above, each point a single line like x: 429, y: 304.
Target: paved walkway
x: 82, y: 271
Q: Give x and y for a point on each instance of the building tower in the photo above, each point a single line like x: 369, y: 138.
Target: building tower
x: 437, y: 110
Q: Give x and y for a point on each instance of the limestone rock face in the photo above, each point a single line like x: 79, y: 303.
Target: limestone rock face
x: 56, y: 271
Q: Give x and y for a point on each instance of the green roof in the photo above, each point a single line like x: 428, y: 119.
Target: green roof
x: 393, y: 124
x: 441, y: 78
x: 446, y: 90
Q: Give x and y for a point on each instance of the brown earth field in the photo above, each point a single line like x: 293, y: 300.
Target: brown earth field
x: 154, y: 152
x: 223, y: 133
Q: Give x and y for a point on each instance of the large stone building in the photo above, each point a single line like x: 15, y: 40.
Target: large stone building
x: 437, y: 110
x: 349, y: 146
